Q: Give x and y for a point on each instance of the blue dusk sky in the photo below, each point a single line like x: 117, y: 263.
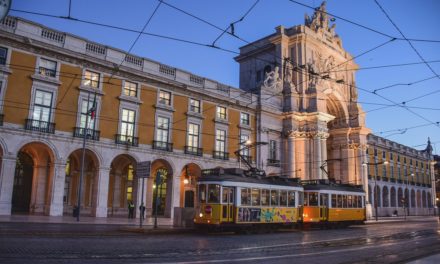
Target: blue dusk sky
x: 418, y: 20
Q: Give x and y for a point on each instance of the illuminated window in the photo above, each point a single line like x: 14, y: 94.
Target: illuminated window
x: 221, y: 112
x: 127, y: 125
x: 130, y: 183
x: 130, y: 89
x: 47, y: 68
x: 194, y: 105
x: 91, y: 79
x: 244, y: 119
x: 165, y: 97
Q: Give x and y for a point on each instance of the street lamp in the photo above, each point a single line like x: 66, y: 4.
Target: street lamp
x: 375, y: 182
x: 406, y: 199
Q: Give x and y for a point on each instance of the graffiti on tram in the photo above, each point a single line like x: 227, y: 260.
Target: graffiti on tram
x: 266, y: 215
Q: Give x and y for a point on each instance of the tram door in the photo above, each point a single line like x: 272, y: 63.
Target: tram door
x: 323, y: 209
x: 228, y: 204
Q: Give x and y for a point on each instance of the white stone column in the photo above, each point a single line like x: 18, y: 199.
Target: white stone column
x: 317, y: 159
x: 139, y: 199
x: 102, y: 192
x: 176, y: 194
x: 57, y: 192
x: 369, y: 213
x: 290, y: 157
x: 324, y: 154
x: 7, y: 183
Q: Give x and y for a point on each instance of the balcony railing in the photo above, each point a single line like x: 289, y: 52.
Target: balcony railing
x: 220, y: 155
x: 412, y: 183
x: 370, y: 177
x: 392, y: 180
x: 126, y: 140
x: 41, y: 126
x: 399, y: 181
x: 193, y: 151
x: 163, y: 145
x: 384, y: 178
x: 47, y: 72
x: 378, y: 178
x: 1, y: 119
x: 417, y: 184
x: 90, y: 133
x: 273, y: 163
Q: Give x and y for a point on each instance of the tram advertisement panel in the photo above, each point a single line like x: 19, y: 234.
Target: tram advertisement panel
x: 278, y: 215
x: 249, y: 214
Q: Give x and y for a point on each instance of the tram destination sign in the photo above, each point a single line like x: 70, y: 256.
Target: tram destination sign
x: 143, y: 169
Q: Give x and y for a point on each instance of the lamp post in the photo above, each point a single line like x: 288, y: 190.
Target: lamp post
x: 405, y: 198
x: 375, y: 183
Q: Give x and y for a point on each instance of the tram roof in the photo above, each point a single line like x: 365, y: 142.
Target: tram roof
x: 317, y: 185
x: 239, y: 175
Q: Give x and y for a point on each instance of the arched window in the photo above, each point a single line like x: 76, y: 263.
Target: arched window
x: 429, y: 200
x: 413, y: 199
x: 385, y: 201
x: 377, y: 196
x: 424, y: 199
x: 400, y: 197
x: 393, y: 197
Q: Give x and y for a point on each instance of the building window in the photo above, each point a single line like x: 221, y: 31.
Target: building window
x: 165, y: 98
x: 244, y: 119
x: 221, y: 112
x: 375, y: 152
x: 194, y: 105
x: 3, y: 55
x: 91, y: 79
x: 85, y: 107
x: 384, y: 170
x: 130, y: 183
x: 47, y: 68
x: 272, y: 150
x: 220, y: 140
x: 42, y: 107
x: 243, y: 143
x: 193, y: 135
x: 162, y: 133
x: 130, y: 89
x: 127, y: 125
x: 384, y: 155
x: 391, y: 156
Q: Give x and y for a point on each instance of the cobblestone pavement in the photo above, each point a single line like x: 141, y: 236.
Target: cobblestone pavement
x: 58, y: 243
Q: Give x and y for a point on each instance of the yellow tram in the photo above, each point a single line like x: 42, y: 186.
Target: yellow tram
x: 331, y: 204
x: 234, y: 199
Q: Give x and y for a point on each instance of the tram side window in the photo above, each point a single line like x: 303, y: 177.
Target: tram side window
x: 350, y: 201
x: 355, y: 201
x: 255, y: 197
x: 334, y: 201
x: 339, y: 201
x: 313, y: 199
x: 344, y: 200
x: 360, y: 198
x: 291, y: 199
x: 274, y: 197
x: 213, y: 193
x: 265, y: 197
x: 300, y: 198
x: 323, y: 199
x: 202, y: 193
x: 283, y: 198
x: 245, y: 196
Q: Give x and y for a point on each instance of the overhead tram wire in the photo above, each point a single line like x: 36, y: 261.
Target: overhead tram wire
x: 148, y: 33
x: 363, y: 26
x: 137, y: 38
x: 404, y: 84
x: 403, y: 35
x: 231, y: 26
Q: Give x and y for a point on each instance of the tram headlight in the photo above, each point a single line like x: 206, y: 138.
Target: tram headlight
x: 200, y: 215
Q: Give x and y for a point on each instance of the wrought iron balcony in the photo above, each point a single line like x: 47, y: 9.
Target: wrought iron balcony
x: 399, y: 181
x: 273, y: 163
x: 90, y: 133
x: 220, y: 155
x: 385, y: 178
x: 417, y: 184
x: 392, y: 180
x: 370, y: 177
x: 41, y: 126
x: 412, y: 183
x: 378, y: 178
x: 1, y: 119
x: 194, y: 151
x: 163, y: 145
x: 126, y: 140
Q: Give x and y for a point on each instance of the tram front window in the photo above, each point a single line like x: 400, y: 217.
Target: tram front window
x: 312, y: 199
x: 324, y: 199
x: 202, y: 193
x: 213, y: 193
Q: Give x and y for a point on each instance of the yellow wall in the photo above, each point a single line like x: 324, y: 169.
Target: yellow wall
x: 146, y: 115
x: 234, y: 132
x: 18, y: 92
x: 180, y: 121
x: 208, y: 136
x: 109, y: 115
x: 67, y: 99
